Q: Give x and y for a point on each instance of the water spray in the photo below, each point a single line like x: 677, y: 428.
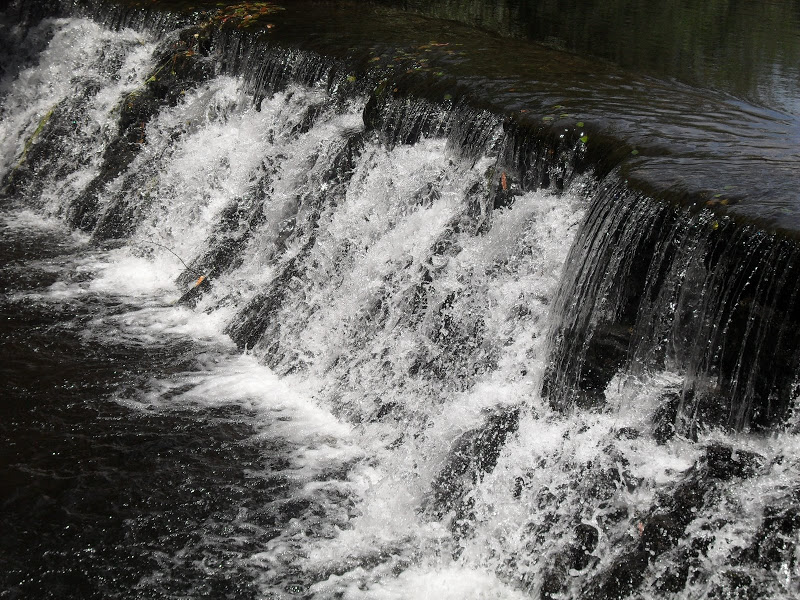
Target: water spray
x: 201, y: 277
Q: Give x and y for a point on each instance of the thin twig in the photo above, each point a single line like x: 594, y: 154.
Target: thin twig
x: 171, y: 251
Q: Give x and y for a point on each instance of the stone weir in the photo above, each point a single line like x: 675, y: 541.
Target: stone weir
x: 687, y: 257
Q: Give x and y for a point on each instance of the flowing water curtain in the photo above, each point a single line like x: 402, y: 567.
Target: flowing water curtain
x: 651, y: 287
x: 404, y: 268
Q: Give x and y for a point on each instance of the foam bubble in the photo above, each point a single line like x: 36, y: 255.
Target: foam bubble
x: 418, y: 583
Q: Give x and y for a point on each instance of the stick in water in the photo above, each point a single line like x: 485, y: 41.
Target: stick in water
x: 200, y: 277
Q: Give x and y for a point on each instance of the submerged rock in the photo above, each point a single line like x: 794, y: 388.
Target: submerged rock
x: 724, y: 463
x: 472, y: 455
x: 665, y: 416
x: 622, y: 578
x: 775, y: 545
x: 664, y: 527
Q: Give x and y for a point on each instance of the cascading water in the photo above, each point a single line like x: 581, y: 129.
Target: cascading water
x: 307, y: 336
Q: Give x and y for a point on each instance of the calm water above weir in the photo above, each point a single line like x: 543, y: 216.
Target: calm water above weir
x: 697, y: 104
x: 388, y: 308
x: 750, y: 50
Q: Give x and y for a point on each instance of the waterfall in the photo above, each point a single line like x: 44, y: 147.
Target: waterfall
x: 484, y: 362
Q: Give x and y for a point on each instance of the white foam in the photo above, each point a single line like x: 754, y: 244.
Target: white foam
x: 123, y: 273
x: 79, y: 51
x: 417, y: 583
x: 26, y: 219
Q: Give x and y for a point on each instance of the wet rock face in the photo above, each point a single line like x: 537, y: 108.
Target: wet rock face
x: 772, y: 549
x: 192, y: 296
x: 260, y: 313
x: 622, y: 578
x: 473, y: 454
x: 775, y: 545
x: 586, y: 538
x: 182, y: 65
x: 724, y: 463
x: 736, y: 584
x: 664, y: 528
x: 605, y: 355
x: 36, y: 166
x: 576, y: 557
x: 665, y: 417
x: 544, y: 159
x: 667, y: 522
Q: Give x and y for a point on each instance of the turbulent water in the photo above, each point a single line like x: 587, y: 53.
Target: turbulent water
x: 270, y: 336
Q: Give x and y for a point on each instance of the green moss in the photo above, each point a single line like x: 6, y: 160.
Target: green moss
x: 32, y: 139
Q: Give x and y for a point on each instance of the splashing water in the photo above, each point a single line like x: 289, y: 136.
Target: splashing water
x: 369, y: 351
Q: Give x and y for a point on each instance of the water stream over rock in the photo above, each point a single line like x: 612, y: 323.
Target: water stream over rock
x: 279, y: 323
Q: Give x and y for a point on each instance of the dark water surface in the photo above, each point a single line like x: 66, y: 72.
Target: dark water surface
x: 98, y: 499
x: 750, y: 50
